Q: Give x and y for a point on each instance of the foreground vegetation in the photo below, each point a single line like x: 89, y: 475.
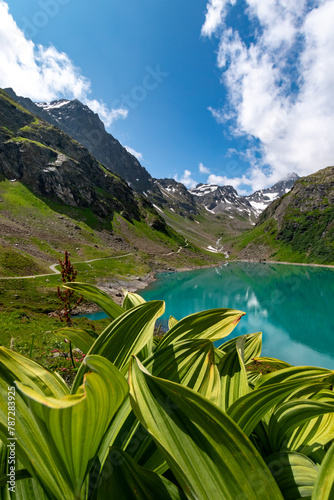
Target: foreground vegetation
x: 170, y: 419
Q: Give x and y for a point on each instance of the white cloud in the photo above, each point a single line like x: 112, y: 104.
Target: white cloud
x: 135, y: 153
x: 186, y: 179
x: 216, y: 10
x: 203, y: 169
x: 280, y: 87
x: 43, y: 73
x: 239, y: 183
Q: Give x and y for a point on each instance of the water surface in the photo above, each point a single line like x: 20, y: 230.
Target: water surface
x: 291, y: 305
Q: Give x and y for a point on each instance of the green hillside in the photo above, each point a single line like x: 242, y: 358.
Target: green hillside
x: 299, y: 227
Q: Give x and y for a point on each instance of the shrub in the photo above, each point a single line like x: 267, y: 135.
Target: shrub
x: 170, y: 420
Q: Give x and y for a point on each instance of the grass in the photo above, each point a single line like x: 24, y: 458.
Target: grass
x: 31, y: 334
x: 15, y: 263
x: 298, y: 241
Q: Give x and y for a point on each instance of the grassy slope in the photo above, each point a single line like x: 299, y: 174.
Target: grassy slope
x: 298, y: 229
x: 206, y: 229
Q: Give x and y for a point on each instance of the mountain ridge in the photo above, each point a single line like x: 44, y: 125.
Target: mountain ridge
x: 54, y: 193
x: 298, y: 227
x: 85, y: 126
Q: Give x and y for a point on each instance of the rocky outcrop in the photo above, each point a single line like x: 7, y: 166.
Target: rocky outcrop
x: 85, y: 126
x: 264, y: 197
x: 176, y: 197
x: 55, y: 166
x: 223, y: 200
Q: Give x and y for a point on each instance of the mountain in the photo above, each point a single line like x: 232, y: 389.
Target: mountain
x: 81, y: 123
x: 85, y: 126
x: 298, y: 227
x: 203, y: 214
x: 54, y: 195
x: 176, y: 197
x: 223, y: 199
x: 262, y: 198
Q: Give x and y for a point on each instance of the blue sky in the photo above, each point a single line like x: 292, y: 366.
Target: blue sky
x: 222, y: 91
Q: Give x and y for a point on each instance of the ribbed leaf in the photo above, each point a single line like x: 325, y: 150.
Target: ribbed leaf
x: 248, y: 410
x: 207, y: 452
x: 252, y: 346
x: 70, y: 429
x: 93, y: 294
x: 234, y: 383
x: 294, y: 473
x: 292, y: 414
x: 126, y: 335
x: 126, y: 480
x: 213, y: 325
x: 14, y: 366
x: 312, y: 435
x: 191, y: 363
x: 295, y: 373
x: 253, y: 377
x: 278, y: 364
x: 132, y: 300
x: 31, y: 447
x: 172, y: 322
x: 324, y: 486
x: 80, y: 338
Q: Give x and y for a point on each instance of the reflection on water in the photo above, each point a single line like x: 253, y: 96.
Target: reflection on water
x: 291, y: 305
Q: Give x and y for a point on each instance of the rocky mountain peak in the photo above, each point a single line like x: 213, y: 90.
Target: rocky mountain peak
x: 80, y: 122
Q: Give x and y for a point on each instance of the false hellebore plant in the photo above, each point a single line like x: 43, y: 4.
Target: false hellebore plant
x: 176, y: 419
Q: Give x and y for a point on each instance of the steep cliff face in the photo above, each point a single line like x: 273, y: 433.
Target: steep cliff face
x: 54, y: 165
x: 85, y: 126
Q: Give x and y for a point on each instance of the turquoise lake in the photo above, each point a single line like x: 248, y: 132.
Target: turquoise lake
x: 291, y: 305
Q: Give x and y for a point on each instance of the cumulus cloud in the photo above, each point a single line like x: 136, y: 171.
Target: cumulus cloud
x: 43, y: 73
x: 186, y: 179
x: 280, y: 86
x: 216, y: 11
x: 203, y: 169
x: 239, y: 183
x: 135, y: 153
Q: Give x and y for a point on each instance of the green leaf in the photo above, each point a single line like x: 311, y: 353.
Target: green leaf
x: 93, y: 294
x: 126, y: 335
x: 213, y: 325
x: 294, y: 473
x: 252, y: 346
x: 208, y: 454
x: 191, y: 363
x: 14, y: 366
x: 126, y: 480
x: 234, y: 383
x: 277, y: 364
x: 172, y: 322
x: 294, y: 413
x: 295, y: 373
x: 132, y: 300
x: 58, y: 438
x: 324, y: 486
x: 248, y: 410
x: 80, y: 338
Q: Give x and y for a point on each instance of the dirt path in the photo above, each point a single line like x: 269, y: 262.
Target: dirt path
x: 55, y: 271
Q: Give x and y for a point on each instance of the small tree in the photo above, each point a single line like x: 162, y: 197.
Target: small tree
x: 68, y: 301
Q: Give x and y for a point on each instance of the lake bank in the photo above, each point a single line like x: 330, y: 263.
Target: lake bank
x: 115, y: 286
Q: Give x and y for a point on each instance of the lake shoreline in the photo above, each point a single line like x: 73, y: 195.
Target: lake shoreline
x: 115, y: 287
